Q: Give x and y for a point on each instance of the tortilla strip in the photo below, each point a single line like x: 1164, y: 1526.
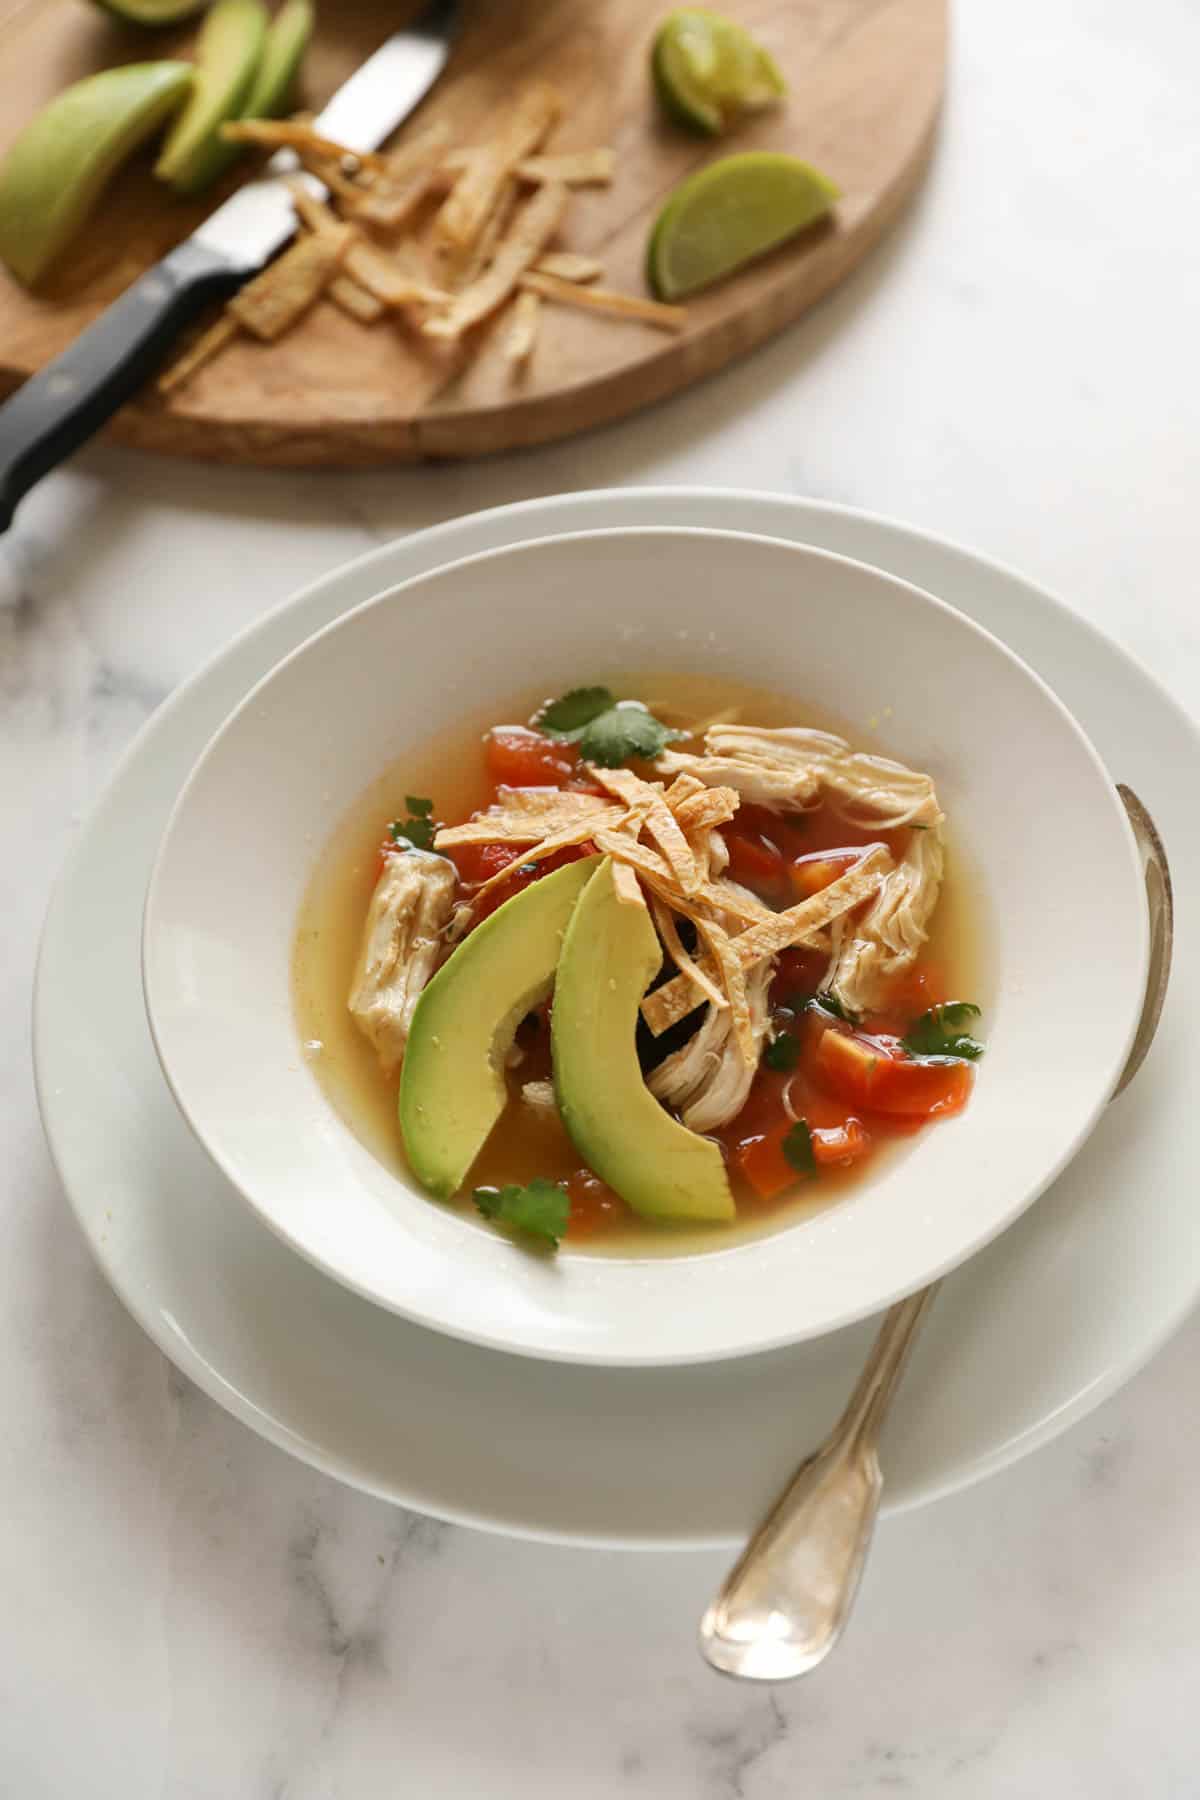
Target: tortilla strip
x: 464, y: 213
x: 294, y: 134
x: 354, y: 300
x: 800, y: 924
x: 567, y: 265
x: 389, y: 205
x: 202, y: 350
x: 535, y: 225
x: 668, y: 931
x: 628, y: 888
x: 733, y: 977
x: 709, y: 808
x: 660, y: 821
x: 384, y: 277
x: 683, y: 787
x: 578, y: 168
x: 528, y: 822
x: 459, y: 269
x: 527, y: 314
x: 274, y: 300
x: 594, y: 299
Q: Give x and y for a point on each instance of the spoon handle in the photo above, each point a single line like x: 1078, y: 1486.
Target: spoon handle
x: 784, y: 1603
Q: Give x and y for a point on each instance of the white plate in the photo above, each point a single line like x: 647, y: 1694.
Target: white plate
x: 1027, y: 1338
x: 384, y: 679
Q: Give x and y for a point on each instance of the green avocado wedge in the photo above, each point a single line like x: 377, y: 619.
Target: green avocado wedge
x: 151, y: 12
x: 452, y: 1087
x: 610, y: 955
x: 287, y: 40
x: 56, y: 170
x: 228, y: 53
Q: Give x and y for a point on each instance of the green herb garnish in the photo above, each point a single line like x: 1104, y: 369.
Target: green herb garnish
x: 798, y: 1148
x: 567, y: 717
x: 831, y: 1004
x: 418, y: 829
x: 942, y: 1031
x: 624, y: 732
x: 783, y: 1052
x: 541, y: 1209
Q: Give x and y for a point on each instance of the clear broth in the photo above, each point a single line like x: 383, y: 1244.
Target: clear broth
x: 524, y: 1143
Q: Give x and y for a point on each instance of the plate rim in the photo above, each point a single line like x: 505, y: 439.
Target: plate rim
x: 207, y: 1376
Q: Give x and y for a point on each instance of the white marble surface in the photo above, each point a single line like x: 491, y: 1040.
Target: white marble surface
x: 187, y: 1613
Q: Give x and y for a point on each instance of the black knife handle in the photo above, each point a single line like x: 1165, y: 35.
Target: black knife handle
x: 61, y: 406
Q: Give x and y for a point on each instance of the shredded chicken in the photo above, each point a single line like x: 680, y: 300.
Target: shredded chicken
x: 707, y: 1081
x: 409, y: 910
x: 888, y: 939
x: 794, y: 770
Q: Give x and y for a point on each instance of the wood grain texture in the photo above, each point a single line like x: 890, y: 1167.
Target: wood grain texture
x: 866, y: 80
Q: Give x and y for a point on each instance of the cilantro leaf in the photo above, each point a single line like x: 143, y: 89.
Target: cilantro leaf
x: 943, y: 1031
x: 783, y: 1052
x: 623, y: 731
x: 420, y: 809
x: 541, y: 1209
x: 417, y: 833
x: 798, y: 1148
x: 831, y: 1004
x: 567, y: 716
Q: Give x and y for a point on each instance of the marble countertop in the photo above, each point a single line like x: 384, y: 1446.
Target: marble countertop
x: 190, y: 1614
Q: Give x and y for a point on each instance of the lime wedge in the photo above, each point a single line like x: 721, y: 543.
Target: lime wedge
x: 55, y: 171
x: 228, y: 52
x: 707, y: 71
x: 151, y: 12
x: 729, y: 213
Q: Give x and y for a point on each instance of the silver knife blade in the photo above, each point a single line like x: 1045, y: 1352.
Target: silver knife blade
x: 252, y: 224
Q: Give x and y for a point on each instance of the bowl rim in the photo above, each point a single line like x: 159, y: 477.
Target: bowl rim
x: 615, y: 1356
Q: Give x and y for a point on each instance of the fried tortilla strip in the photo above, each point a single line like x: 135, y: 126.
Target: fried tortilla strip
x: 567, y: 265
x: 458, y: 269
x: 209, y: 344
x: 527, y: 815
x: 295, y: 134
x: 389, y: 205
x: 354, y: 300
x: 660, y: 821
x: 532, y: 230
x: 708, y: 808
x: 527, y: 316
x: 682, y: 788
x: 464, y: 212
x: 721, y: 949
x: 668, y: 931
x: 628, y: 887
x: 594, y: 299
x: 800, y: 924
x: 271, y: 303
x: 577, y: 168
x: 389, y: 281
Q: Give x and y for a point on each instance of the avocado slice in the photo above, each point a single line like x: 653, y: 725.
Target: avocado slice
x: 228, y: 52
x: 610, y: 955
x: 452, y: 1087
x: 151, y: 12
x: 55, y: 171
x: 287, y: 40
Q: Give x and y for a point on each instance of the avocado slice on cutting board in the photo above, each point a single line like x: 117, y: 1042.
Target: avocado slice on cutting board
x: 452, y: 1086
x: 283, y: 52
x: 610, y: 955
x: 55, y: 171
x: 228, y: 53
x: 151, y: 12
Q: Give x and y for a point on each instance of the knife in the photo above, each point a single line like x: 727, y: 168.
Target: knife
x: 60, y: 407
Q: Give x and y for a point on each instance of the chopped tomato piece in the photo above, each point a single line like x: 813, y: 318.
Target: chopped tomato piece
x: 479, y: 862
x: 760, y: 842
x: 522, y: 874
x: 875, y: 1074
x: 764, y: 1163
x: 594, y: 1206
x: 519, y: 757
x: 809, y: 874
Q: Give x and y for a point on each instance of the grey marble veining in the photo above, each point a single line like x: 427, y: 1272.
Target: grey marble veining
x: 188, y: 1613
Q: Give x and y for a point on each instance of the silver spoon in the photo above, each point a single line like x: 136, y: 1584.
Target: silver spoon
x: 784, y: 1603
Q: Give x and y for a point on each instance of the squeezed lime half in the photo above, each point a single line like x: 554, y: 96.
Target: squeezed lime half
x: 708, y: 70
x: 730, y: 212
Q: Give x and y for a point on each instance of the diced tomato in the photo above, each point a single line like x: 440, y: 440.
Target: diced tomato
x: 479, y: 862
x: 914, y: 992
x: 519, y: 757
x: 755, y: 862
x: 594, y: 1206
x: 522, y: 875
x: 809, y: 874
x: 875, y: 1074
x: 766, y: 1167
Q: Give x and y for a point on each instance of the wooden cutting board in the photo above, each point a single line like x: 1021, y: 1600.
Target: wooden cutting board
x: 866, y: 80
